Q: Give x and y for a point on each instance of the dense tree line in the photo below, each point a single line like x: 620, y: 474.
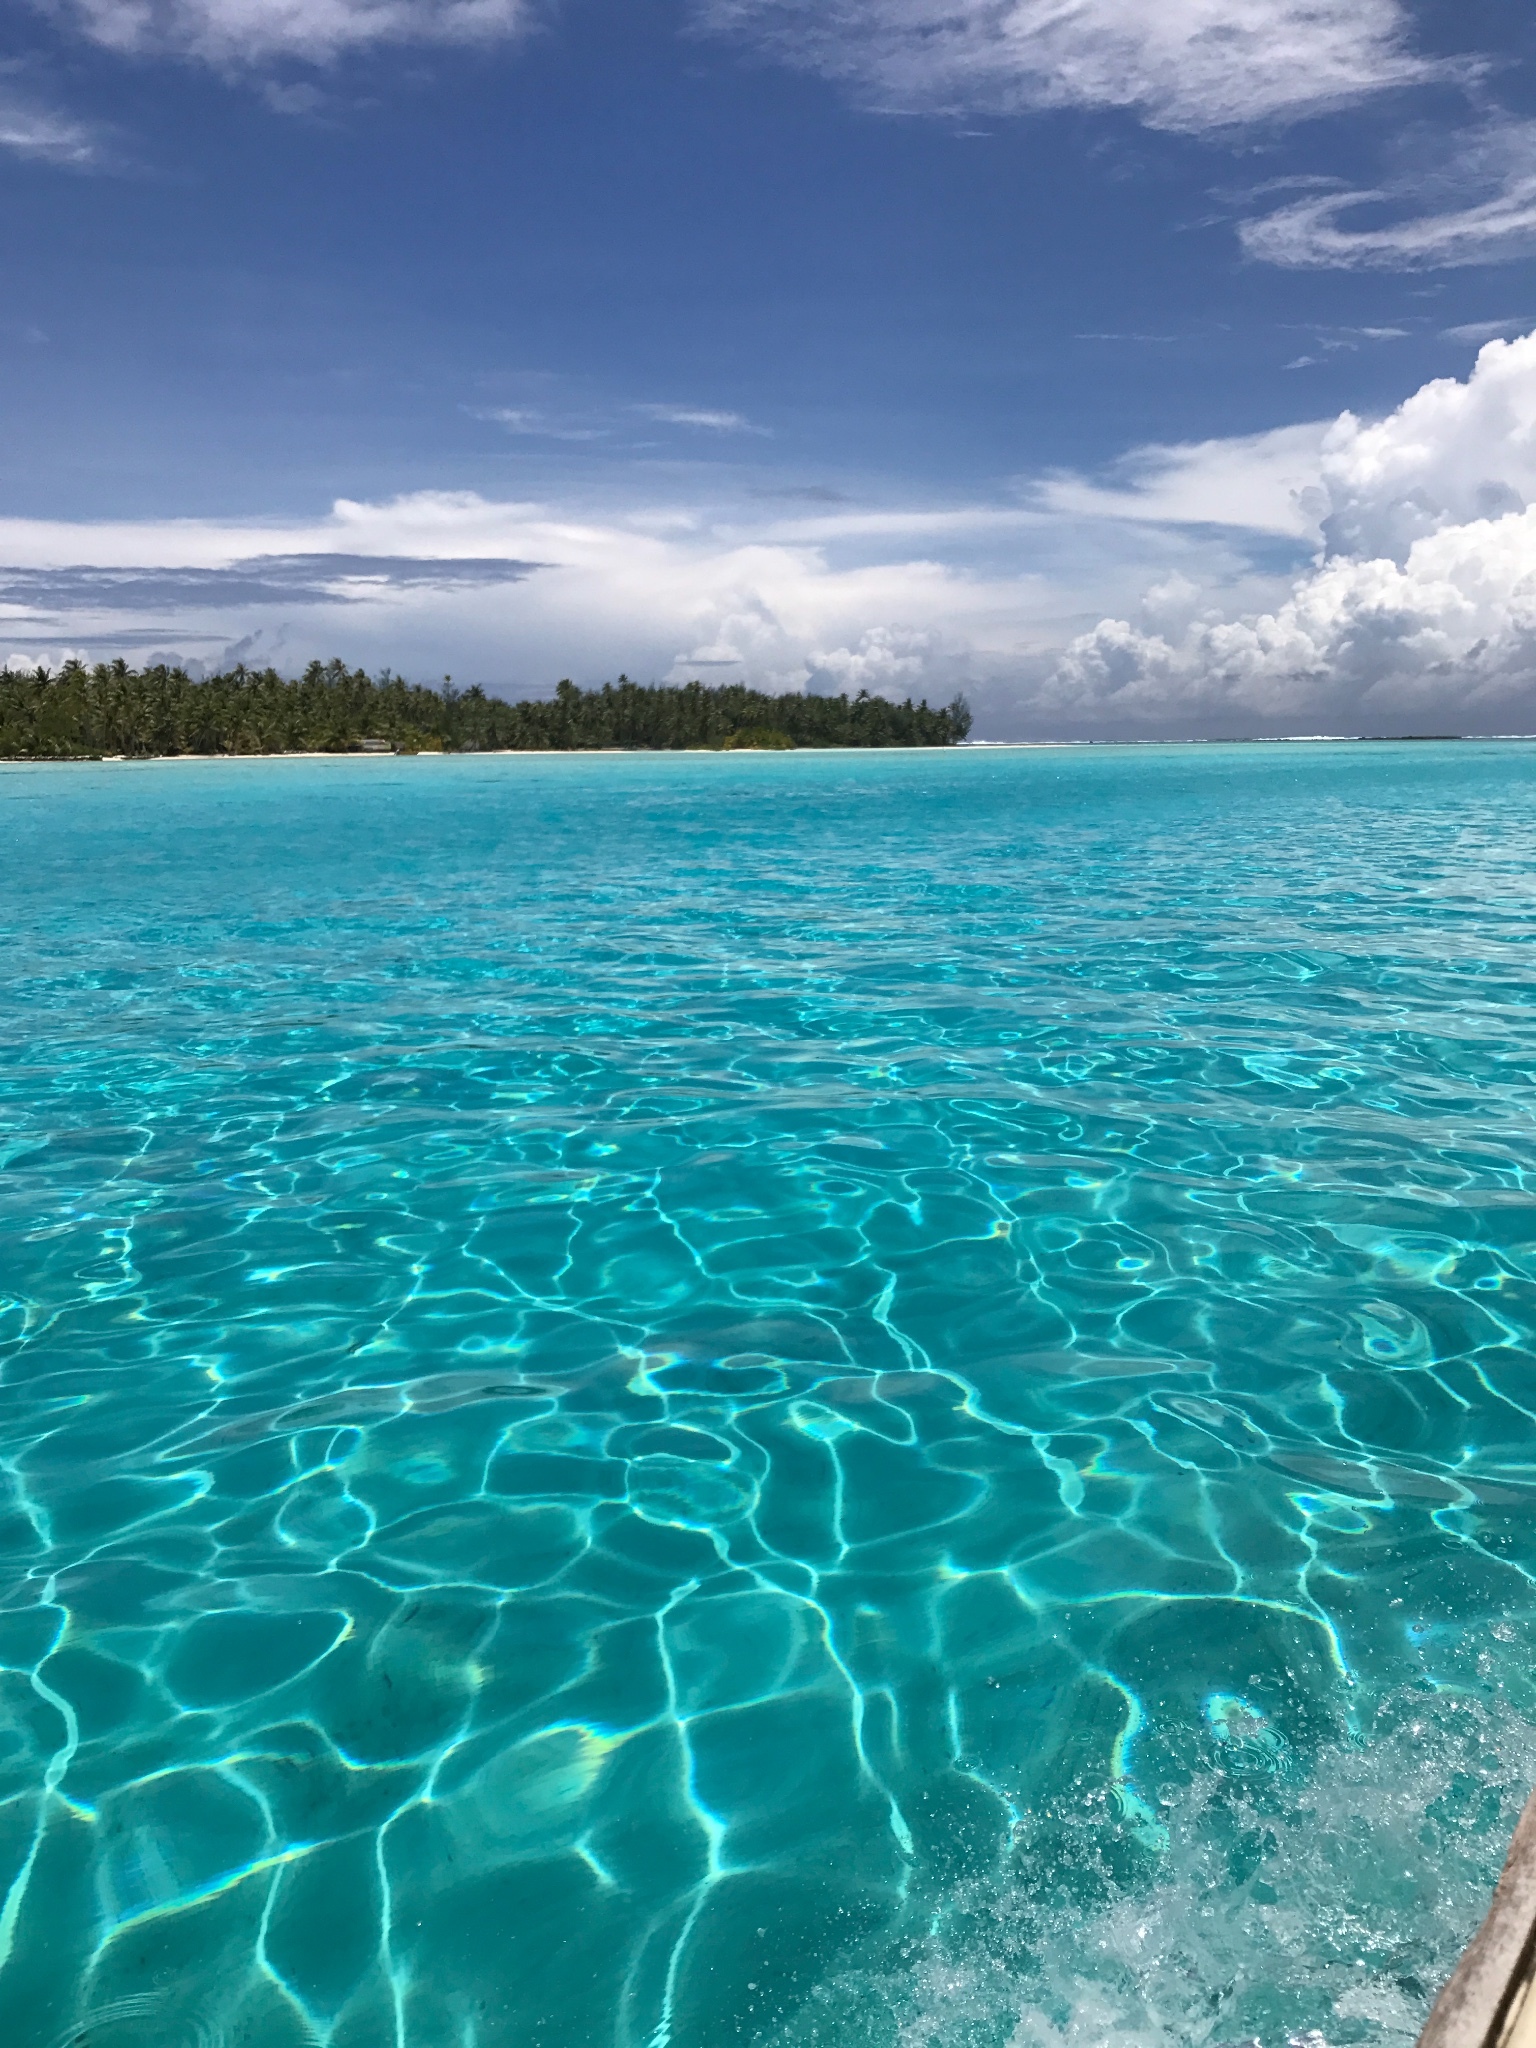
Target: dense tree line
x: 84, y: 713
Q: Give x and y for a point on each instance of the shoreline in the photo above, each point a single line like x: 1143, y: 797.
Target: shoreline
x: 1317, y: 739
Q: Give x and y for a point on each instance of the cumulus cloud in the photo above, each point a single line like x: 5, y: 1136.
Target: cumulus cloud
x: 1454, y: 452
x: 1479, y: 207
x: 232, y: 32
x: 1447, y: 640
x: 884, y: 661
x: 1421, y: 609
x: 1192, y: 66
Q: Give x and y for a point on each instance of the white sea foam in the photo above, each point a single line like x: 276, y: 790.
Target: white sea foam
x: 1289, y: 1910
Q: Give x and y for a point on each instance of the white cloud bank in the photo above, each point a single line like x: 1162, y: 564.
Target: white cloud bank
x: 1417, y: 612
x: 229, y: 32
x: 788, y: 604
x: 1192, y: 66
x: 1420, y: 613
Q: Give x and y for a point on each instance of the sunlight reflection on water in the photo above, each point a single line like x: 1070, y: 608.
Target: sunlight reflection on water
x: 817, y: 1399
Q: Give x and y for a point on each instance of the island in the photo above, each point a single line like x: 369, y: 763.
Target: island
x: 112, y: 710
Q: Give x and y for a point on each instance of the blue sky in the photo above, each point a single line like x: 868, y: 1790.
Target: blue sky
x: 900, y: 343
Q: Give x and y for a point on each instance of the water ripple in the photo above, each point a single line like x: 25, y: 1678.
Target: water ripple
x: 816, y: 1401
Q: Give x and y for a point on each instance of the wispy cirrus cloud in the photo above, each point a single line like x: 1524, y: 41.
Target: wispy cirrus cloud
x: 31, y: 126
x: 1191, y: 66
x: 801, y: 494
x: 237, y: 32
x: 1478, y: 205
x: 1478, y: 331
x: 525, y: 419
x: 699, y: 416
x: 1187, y: 65
x: 538, y: 424
x: 1266, y: 483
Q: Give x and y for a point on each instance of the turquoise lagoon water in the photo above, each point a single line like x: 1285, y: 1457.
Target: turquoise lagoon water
x: 808, y: 1401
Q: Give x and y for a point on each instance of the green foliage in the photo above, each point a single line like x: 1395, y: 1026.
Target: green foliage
x: 84, y: 713
x: 759, y: 736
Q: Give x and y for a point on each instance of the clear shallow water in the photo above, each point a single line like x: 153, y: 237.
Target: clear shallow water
x: 827, y: 1400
